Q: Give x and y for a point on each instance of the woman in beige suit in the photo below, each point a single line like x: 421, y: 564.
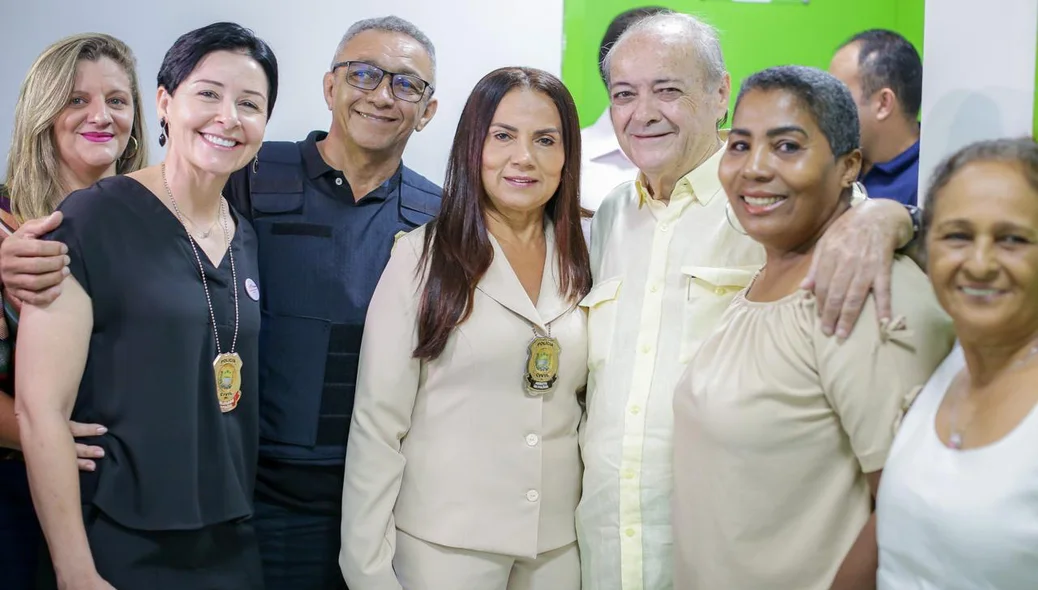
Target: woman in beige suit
x: 463, y: 470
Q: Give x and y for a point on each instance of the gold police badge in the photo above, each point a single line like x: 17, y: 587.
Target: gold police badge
x: 227, y: 367
x: 542, y: 365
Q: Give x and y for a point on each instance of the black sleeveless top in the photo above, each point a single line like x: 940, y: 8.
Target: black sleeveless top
x: 172, y: 461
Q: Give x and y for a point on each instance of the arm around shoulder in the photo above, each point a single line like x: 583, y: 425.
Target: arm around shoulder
x: 387, y: 385
x: 31, y: 268
x: 867, y: 376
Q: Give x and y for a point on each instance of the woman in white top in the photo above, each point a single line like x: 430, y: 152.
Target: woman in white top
x: 958, y: 508
x: 462, y: 468
x: 780, y: 432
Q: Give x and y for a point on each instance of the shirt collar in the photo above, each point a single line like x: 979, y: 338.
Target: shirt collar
x: 317, y: 167
x: 901, y: 162
x: 702, y: 183
x: 312, y: 158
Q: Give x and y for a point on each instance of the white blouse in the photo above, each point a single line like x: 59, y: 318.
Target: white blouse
x: 958, y: 520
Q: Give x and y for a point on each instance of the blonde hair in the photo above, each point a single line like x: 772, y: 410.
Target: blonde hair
x: 34, y: 180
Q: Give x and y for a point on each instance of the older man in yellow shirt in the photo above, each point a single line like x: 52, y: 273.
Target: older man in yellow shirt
x: 667, y: 259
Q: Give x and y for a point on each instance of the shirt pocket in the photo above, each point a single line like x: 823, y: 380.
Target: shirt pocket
x: 708, y: 291
x: 601, y: 304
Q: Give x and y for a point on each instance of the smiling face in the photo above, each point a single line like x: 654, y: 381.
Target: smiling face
x: 375, y: 120
x: 218, y: 115
x: 983, y: 252
x: 664, y: 111
x: 92, y: 131
x: 523, y: 154
x: 782, y: 180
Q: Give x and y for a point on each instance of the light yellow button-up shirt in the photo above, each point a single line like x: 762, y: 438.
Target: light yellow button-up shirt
x: 664, y: 273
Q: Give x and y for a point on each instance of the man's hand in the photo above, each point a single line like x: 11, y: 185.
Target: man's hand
x: 853, y: 257
x: 32, y: 269
x: 85, y: 454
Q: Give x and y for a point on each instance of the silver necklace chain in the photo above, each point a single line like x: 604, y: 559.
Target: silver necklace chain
x: 957, y: 431
x: 201, y: 269
x: 206, y: 233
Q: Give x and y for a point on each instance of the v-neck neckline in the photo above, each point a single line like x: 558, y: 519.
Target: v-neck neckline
x: 182, y: 230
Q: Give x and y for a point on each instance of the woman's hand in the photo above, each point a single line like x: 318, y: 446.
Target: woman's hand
x: 85, y: 454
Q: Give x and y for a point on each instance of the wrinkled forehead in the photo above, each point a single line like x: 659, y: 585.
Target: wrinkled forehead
x: 648, y: 56
x: 985, y: 182
x: 391, y: 51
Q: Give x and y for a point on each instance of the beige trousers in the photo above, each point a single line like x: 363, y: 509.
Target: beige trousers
x: 420, y: 565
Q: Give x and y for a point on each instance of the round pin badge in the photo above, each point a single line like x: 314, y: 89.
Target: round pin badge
x: 252, y: 289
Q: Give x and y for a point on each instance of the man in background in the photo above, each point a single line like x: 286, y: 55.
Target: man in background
x: 885, y: 75
x: 603, y: 164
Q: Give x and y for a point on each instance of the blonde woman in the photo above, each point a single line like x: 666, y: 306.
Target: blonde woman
x: 78, y: 119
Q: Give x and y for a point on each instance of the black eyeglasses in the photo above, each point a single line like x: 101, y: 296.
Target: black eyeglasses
x: 365, y: 76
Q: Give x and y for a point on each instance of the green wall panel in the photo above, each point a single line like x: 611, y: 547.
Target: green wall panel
x: 753, y: 36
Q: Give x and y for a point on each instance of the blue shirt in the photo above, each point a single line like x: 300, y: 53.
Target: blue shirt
x: 897, y: 179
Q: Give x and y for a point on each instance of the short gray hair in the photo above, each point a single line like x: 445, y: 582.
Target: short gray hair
x: 821, y: 94
x: 391, y: 24
x: 1021, y: 152
x: 703, y: 38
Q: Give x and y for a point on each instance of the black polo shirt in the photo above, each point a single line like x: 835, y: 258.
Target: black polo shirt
x: 321, y: 254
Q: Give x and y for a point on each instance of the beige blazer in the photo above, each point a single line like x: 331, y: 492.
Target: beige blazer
x: 454, y: 451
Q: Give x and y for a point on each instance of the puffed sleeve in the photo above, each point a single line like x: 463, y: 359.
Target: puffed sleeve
x: 866, y: 377
x: 387, y: 383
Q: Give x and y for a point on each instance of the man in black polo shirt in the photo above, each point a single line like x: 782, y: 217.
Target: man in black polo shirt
x: 326, y: 210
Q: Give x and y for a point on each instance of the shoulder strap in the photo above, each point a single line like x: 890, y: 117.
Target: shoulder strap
x: 279, y: 171
x: 420, y: 194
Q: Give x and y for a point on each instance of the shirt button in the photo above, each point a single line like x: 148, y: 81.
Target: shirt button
x: 338, y: 182
x: 629, y: 474
x: 654, y: 288
x: 664, y: 227
x: 629, y: 532
x: 646, y: 349
x: 635, y: 410
x: 719, y: 291
x: 532, y: 440
x: 532, y: 495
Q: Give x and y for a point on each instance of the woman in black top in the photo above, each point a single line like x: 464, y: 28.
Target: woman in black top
x: 155, y: 335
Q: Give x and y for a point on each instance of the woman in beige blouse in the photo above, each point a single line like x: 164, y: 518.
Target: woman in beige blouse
x: 462, y: 468
x: 781, y: 432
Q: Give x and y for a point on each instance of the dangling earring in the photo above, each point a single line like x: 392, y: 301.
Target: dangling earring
x: 255, y: 165
x: 162, y: 134
x: 136, y: 146
x: 728, y: 217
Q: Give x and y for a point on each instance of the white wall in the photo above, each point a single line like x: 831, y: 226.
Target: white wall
x: 978, y: 75
x: 472, y: 37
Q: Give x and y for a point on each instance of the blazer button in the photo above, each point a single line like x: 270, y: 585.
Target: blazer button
x: 532, y: 495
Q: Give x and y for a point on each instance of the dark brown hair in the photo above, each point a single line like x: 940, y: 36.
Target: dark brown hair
x: 457, y: 250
